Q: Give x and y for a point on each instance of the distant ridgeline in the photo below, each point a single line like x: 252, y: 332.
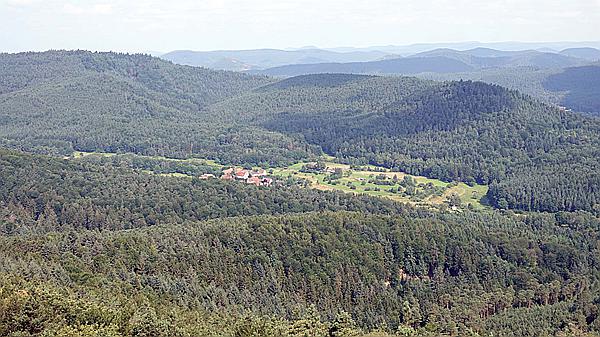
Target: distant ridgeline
x: 567, y: 78
x: 535, y: 157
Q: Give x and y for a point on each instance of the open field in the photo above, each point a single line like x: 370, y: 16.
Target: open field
x: 387, y: 184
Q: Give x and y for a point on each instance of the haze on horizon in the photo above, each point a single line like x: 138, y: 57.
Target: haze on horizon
x: 155, y: 25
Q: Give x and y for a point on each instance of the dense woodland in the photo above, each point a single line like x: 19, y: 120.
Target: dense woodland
x: 57, y: 102
x: 82, y: 195
x: 124, y: 245
x: 93, y: 232
x: 582, y: 87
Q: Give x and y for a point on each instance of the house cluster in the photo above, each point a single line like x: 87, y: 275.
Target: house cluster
x: 254, y: 177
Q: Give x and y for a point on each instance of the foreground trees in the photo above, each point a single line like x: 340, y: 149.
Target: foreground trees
x: 68, y: 268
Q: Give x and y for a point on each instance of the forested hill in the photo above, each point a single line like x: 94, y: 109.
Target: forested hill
x: 199, y: 86
x: 581, y: 86
x: 467, y: 131
x: 576, y: 88
x: 60, y: 101
x: 113, y: 247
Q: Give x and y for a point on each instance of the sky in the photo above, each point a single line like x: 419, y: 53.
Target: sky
x: 156, y: 25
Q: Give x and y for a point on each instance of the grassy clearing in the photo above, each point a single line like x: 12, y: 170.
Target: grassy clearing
x: 426, y: 191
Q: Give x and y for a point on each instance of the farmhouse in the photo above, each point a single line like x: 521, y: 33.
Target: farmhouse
x: 242, y: 175
x: 254, y: 177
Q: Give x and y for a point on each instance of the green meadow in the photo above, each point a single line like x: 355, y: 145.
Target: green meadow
x: 377, y: 181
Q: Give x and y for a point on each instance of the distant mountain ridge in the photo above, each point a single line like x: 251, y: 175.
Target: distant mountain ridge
x: 449, y: 58
x: 435, y: 61
x: 407, y: 65
x: 591, y: 54
x: 506, y: 45
x: 241, y: 60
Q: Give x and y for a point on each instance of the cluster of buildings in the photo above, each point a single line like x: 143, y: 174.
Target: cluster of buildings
x: 258, y: 177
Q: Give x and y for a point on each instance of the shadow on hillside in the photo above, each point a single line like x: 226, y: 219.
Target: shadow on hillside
x: 582, y: 85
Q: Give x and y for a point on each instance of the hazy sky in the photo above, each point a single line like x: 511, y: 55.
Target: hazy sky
x: 131, y: 25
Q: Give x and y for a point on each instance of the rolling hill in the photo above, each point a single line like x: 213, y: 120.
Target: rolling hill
x: 575, y: 88
x: 591, y: 54
x: 59, y: 101
x: 529, y: 71
x: 581, y: 86
x: 467, y: 131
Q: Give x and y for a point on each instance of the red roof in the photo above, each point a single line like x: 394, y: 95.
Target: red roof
x: 253, y: 180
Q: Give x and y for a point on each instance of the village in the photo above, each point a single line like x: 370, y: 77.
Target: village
x: 254, y: 177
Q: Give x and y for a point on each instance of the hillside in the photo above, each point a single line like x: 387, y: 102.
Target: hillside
x: 59, y: 101
x: 466, y: 131
x: 200, y: 86
x: 117, y: 252
x: 552, y: 77
x: 581, y: 86
x: 138, y: 237
x: 455, y: 131
x: 573, y: 87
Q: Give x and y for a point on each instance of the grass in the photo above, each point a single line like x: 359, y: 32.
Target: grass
x: 472, y: 195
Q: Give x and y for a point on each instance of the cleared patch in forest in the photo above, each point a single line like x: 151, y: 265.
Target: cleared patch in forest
x: 366, y: 179
x: 378, y: 181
